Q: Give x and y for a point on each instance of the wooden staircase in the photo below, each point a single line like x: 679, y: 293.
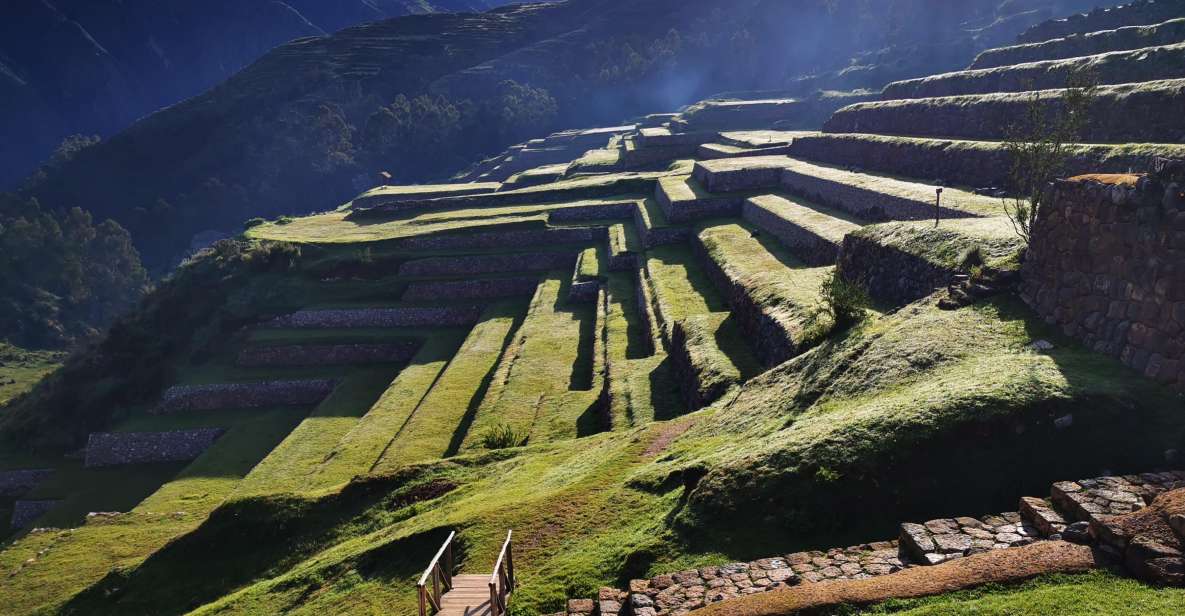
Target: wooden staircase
x: 446, y: 594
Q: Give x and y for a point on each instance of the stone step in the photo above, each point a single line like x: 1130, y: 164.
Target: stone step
x: 1094, y: 500
x: 1119, y: 39
x: 811, y: 232
x: 876, y: 197
x: 740, y: 174
x: 664, y: 137
x: 1131, y: 14
x: 683, y: 199
x: 943, y: 539
x: 1146, y: 64
x: 1140, y: 112
x: 772, y: 295
x: 1040, y: 514
x: 982, y: 164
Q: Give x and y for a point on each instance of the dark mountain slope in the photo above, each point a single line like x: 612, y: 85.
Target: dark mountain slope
x: 95, y: 66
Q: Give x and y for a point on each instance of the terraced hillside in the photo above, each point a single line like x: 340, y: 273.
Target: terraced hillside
x: 642, y: 348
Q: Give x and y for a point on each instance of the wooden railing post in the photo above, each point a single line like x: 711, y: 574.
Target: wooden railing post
x: 439, y: 576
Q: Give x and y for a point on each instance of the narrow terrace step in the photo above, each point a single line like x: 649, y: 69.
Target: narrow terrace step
x: 741, y: 114
x: 813, y: 233
x: 396, y: 194
x: 539, y: 175
x: 704, y: 370
x: 1126, y: 113
x: 709, y: 151
x: 762, y: 138
x: 664, y: 137
x: 1138, y: 65
x: 740, y: 174
x: 683, y: 199
x: 1131, y: 14
x: 285, y: 355
x: 982, y: 164
x: 880, y: 198
x: 1119, y: 39
x: 586, y: 277
x: 771, y: 293
x: 437, y: 425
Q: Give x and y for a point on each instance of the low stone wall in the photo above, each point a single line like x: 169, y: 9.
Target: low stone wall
x: 594, y: 211
x: 703, y: 373
x: 443, y: 316
x: 117, y: 448
x: 771, y: 339
x: 1107, y: 264
x: 477, y: 288
x: 888, y: 274
x: 645, y: 305
x: 25, y: 512
x: 868, y: 204
x: 807, y: 246
x: 1128, y: 37
x: 328, y: 354
x: 17, y: 482
x: 732, y: 175
x: 187, y: 398
x: 1141, y: 112
x: 962, y: 163
x: 1165, y: 62
x: 472, y: 265
x: 498, y: 239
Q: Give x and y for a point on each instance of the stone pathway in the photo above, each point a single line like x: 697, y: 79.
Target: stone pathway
x: 1064, y: 516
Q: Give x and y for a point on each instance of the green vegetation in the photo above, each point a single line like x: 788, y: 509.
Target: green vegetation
x: 1097, y: 592
x: 20, y: 369
x: 947, y: 245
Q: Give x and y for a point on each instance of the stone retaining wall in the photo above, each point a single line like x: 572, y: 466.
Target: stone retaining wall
x: 596, y: 211
x: 702, y: 371
x: 186, y: 398
x: 328, y: 354
x: 25, y: 512
x: 17, y: 482
x: 1107, y: 264
x: 771, y: 340
x: 808, y: 247
x: 1138, y: 12
x: 888, y: 274
x: 1165, y: 62
x: 477, y: 288
x: 961, y: 163
x: 116, y: 448
x: 868, y: 204
x: 1143, y: 112
x: 498, y: 239
x: 442, y: 316
x: 1128, y: 37
x: 471, y: 265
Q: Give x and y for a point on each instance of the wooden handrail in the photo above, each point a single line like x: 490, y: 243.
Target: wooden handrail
x: 502, y: 579
x: 441, y: 576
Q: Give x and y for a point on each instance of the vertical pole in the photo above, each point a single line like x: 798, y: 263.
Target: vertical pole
x: 423, y: 608
x: 448, y: 573
x: 937, y: 206
x: 510, y: 563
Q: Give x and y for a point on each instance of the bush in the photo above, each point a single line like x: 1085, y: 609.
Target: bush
x: 502, y: 436
x: 283, y: 220
x: 845, y: 301
x: 253, y: 222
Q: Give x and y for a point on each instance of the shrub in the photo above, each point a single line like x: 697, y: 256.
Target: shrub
x: 972, y: 257
x: 502, y: 436
x: 253, y: 222
x: 845, y: 301
x: 283, y: 220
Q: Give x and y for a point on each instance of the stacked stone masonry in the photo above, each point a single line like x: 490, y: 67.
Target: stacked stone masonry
x: 924, y: 544
x: 118, y: 448
x: 328, y: 354
x: 188, y: 398
x: 888, y: 274
x: 1107, y: 265
x: 486, y: 264
x: 25, y: 512
x: 499, y: 239
x: 379, y: 317
x: 17, y: 482
x: 476, y: 288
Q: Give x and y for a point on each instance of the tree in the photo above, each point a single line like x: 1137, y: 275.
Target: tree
x: 1039, y: 145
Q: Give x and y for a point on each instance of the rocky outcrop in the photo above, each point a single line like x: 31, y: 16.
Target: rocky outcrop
x: 188, y: 398
x: 1107, y: 265
x: 118, y: 448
